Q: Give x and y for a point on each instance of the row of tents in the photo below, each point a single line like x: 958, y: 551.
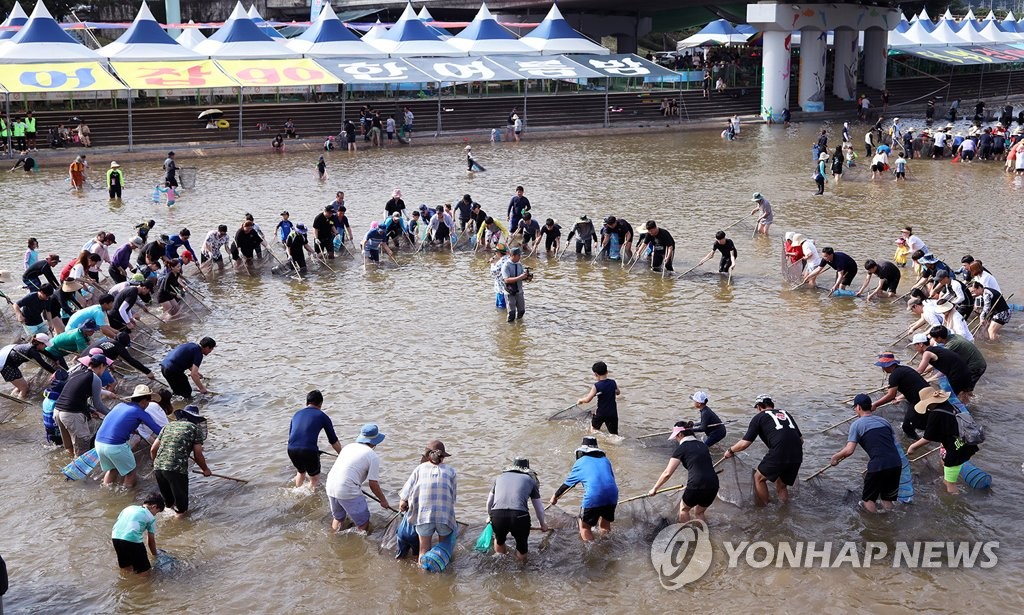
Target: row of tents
x: 39, y: 38
x: 918, y: 31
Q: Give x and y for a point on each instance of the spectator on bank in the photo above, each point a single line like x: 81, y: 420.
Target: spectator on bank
x: 84, y: 134
x: 289, y: 129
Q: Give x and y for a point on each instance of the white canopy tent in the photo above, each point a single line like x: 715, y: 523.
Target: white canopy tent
x: 329, y: 38
x: 190, y: 37
x: 485, y: 36
x: 554, y: 35
x: 42, y: 39
x: 410, y: 37
x: 145, y: 40
x: 240, y: 39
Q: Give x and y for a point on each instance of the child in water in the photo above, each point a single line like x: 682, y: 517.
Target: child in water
x: 321, y: 169
x: 902, y: 252
x: 165, y: 190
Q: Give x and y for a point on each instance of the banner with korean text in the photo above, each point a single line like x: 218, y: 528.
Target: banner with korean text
x: 69, y: 77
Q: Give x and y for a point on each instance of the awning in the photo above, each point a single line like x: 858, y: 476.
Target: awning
x: 57, y: 77
x: 546, y: 67
x: 972, y: 55
x: 375, y: 70
x: 623, y: 65
x: 277, y: 73
x: 187, y: 75
x: 463, y: 69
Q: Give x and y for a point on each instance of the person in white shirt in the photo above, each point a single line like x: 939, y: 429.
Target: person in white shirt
x: 357, y: 463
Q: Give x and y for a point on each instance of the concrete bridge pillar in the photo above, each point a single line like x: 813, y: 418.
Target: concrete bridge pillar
x: 844, y: 77
x: 876, y: 57
x: 813, y: 45
x: 775, y: 74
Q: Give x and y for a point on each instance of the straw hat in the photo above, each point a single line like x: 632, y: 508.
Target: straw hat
x: 930, y: 396
x: 114, y: 165
x: 798, y: 239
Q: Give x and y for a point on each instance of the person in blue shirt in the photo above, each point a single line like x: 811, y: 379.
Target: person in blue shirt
x: 375, y: 240
x: 605, y: 390
x: 186, y: 358
x: 115, y: 454
x: 177, y: 241
x: 885, y: 464
x: 303, y: 433
x: 284, y: 227
x: 600, y: 493
x: 97, y: 314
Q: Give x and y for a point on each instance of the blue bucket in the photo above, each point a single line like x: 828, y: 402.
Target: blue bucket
x: 975, y: 476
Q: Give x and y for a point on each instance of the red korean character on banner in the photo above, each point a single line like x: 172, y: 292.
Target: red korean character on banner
x: 258, y: 76
x: 193, y: 77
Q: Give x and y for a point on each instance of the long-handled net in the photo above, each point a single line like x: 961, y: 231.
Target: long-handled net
x: 736, y: 483
x: 572, y: 413
x: 187, y: 177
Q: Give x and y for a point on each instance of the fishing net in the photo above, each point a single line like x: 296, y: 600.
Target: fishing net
x: 792, y: 272
x: 572, y: 413
x: 656, y: 440
x: 736, y: 483
x: 649, y: 515
x: 187, y: 177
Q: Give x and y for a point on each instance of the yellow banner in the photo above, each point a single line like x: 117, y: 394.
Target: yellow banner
x: 259, y: 74
x: 175, y: 75
x: 57, y: 77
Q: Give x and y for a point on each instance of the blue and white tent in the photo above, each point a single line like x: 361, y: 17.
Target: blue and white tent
x: 554, y: 35
x: 329, y: 38
x: 719, y: 31
x: 485, y: 36
x: 425, y: 16
x: 145, y: 41
x: 378, y: 30
x: 925, y: 21
x: 190, y: 37
x: 16, y: 18
x: 257, y: 19
x: 1009, y: 23
x: 410, y: 37
x: 42, y: 39
x: 240, y: 39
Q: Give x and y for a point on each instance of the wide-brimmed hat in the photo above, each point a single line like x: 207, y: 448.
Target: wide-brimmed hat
x: 823, y: 156
x: 141, y: 390
x: 929, y: 397
x: 501, y: 248
x: 588, y: 445
x: 370, y: 434
x: 72, y: 286
x: 301, y: 228
x: 757, y: 197
x: 437, y: 447
x: 798, y: 239
x: 190, y: 414
x: 887, y: 359
x: 114, y: 165
x: 928, y: 259
x: 943, y: 308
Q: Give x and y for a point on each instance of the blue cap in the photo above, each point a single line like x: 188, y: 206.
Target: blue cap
x: 369, y: 434
x: 862, y: 400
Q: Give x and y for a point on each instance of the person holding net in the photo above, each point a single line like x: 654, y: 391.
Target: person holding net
x: 600, y: 493
x: 778, y: 430
x: 701, y: 480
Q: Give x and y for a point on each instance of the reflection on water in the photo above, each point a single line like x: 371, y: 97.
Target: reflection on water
x: 419, y: 349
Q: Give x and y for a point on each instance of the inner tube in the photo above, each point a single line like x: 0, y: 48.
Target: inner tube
x: 222, y: 123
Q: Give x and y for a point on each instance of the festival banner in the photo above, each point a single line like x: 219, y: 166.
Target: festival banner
x: 375, y: 70
x: 546, y: 67
x: 57, y: 77
x: 460, y: 70
x: 966, y: 56
x: 176, y: 75
x: 257, y: 75
x: 624, y: 65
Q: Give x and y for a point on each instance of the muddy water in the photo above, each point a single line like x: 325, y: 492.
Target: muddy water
x: 420, y: 350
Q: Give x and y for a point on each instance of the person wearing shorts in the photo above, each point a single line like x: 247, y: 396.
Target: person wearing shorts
x: 605, y: 390
x: 600, y: 492
x: 885, y: 466
x: 115, y: 454
x: 942, y: 427
x: 507, y: 507
x: 357, y: 463
x: 888, y: 278
x: 844, y: 265
x: 779, y: 431
x: 303, y: 433
x: 136, y: 526
x: 74, y: 416
x: 701, y: 480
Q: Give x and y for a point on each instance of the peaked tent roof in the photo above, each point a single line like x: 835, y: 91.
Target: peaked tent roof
x: 485, y: 36
x: 425, y: 16
x: 992, y: 32
x: 42, y: 39
x: 970, y: 15
x: 257, y: 19
x: 378, y: 30
x: 924, y: 15
x: 410, y: 37
x: 945, y: 35
x: 902, y: 26
x: 328, y: 37
x: 16, y: 18
x: 240, y: 38
x: 970, y: 34
x: 190, y: 37
x: 916, y: 34
x: 555, y: 35
x: 718, y: 31
x: 1009, y: 23
x: 146, y: 41
x: 950, y: 23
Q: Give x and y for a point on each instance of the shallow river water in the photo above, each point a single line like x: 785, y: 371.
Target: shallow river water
x: 420, y: 349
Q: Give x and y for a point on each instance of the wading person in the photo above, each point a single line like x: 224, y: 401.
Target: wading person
x: 513, y: 275
x: 584, y: 233
x: 303, y: 433
x: 766, y: 218
x: 941, y: 427
x: 600, y: 493
x: 115, y: 454
x: 701, y: 480
x: 78, y: 421
x: 428, y: 497
x: 844, y: 265
x: 605, y: 389
x: 976, y: 364
x: 508, y: 507
x: 877, y: 437
x: 779, y: 432
x: 728, y: 249
x: 710, y: 425
x: 905, y: 381
x: 662, y: 246
x: 357, y: 463
x: 134, y: 529
x: 888, y: 279
x: 183, y: 362
x: 170, y: 452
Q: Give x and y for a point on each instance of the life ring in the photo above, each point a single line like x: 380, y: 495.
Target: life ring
x: 222, y: 123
